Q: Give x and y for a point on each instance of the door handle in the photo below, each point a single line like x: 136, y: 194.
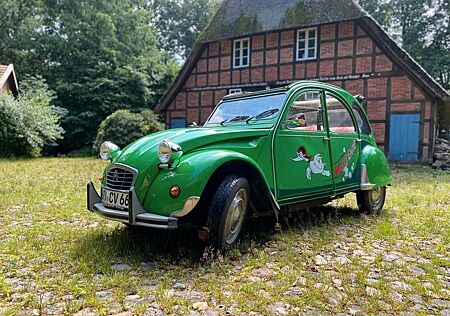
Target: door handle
x: 359, y: 140
x: 326, y: 138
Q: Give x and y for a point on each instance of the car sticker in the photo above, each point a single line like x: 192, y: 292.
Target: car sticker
x: 342, y: 165
x: 316, y: 166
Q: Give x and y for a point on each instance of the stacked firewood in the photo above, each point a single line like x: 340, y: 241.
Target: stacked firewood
x: 441, y: 157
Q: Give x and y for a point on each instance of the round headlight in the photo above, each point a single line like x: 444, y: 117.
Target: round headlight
x: 164, y: 152
x: 106, y: 148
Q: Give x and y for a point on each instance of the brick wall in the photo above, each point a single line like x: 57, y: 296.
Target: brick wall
x: 346, y: 56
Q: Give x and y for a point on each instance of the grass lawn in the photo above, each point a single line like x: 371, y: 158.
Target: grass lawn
x: 58, y: 258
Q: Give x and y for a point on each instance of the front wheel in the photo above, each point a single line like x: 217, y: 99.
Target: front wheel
x: 227, y: 212
x: 371, y: 201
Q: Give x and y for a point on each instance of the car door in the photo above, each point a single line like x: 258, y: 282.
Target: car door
x: 301, y: 150
x: 344, y: 142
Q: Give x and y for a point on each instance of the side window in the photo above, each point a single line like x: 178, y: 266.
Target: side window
x: 339, y: 119
x: 306, y: 113
x: 363, y: 124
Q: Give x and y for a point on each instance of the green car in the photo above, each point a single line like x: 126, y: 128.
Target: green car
x: 258, y: 153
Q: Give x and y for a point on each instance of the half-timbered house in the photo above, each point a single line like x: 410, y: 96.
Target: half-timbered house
x: 258, y: 44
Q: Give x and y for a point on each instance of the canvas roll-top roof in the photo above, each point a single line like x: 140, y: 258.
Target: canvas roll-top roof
x: 237, y: 18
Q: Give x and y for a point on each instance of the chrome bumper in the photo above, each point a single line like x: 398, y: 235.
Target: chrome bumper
x: 365, y: 184
x: 136, y: 214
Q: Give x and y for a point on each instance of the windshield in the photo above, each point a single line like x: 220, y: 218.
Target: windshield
x: 248, y: 109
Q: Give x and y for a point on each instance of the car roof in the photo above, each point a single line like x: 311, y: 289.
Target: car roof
x: 291, y: 87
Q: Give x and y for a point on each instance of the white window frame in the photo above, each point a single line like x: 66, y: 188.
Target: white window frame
x: 234, y: 90
x: 307, y: 48
x: 311, y: 95
x: 240, y: 54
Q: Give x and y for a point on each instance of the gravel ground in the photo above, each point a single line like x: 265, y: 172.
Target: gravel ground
x: 56, y: 258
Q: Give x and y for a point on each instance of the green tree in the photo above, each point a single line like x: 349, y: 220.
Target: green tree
x: 380, y: 10
x: 97, y: 55
x: 436, y: 54
x: 104, y: 57
x: 20, y: 23
x: 422, y: 27
x: 179, y: 22
x: 123, y: 127
x: 30, y: 123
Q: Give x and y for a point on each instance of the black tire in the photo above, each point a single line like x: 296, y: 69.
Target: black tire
x: 131, y: 227
x: 371, y: 201
x: 230, y: 200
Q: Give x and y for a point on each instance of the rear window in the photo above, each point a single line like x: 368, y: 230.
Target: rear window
x: 363, y: 124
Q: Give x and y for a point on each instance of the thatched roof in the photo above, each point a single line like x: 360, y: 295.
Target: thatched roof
x: 242, y: 17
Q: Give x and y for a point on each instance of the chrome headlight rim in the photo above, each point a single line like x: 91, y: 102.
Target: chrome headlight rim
x: 164, y: 152
x: 106, y: 148
x: 166, y: 149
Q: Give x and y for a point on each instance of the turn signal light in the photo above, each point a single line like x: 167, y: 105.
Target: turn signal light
x: 100, y: 178
x: 174, y: 191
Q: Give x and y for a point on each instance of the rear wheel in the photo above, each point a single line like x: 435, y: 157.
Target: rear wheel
x: 371, y: 201
x: 227, y: 212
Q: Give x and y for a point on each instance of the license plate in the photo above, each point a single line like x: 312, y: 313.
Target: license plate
x: 115, y: 199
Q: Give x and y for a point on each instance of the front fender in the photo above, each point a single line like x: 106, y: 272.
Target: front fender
x: 191, y: 174
x: 377, y: 166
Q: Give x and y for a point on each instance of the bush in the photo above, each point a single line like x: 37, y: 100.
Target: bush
x: 123, y: 127
x: 28, y: 123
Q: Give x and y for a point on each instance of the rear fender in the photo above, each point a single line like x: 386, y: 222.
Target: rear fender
x: 375, y: 171
x: 192, y: 175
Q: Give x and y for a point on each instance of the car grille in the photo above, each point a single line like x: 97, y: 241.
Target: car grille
x: 119, y: 179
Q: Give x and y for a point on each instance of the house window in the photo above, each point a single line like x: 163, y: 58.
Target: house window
x: 235, y: 90
x: 307, y: 44
x: 241, y: 53
x: 312, y: 95
x: 177, y: 123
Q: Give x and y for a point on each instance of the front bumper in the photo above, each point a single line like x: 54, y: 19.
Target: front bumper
x: 135, y: 215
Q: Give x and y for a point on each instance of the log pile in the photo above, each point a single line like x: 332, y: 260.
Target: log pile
x: 441, y: 157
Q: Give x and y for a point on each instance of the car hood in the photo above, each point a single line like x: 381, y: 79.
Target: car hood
x: 188, y: 138
x: 142, y: 154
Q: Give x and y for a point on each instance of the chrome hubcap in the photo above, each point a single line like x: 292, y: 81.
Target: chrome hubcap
x: 375, y: 197
x: 236, y: 216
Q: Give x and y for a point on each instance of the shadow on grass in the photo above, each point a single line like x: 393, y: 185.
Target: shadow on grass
x: 134, y: 245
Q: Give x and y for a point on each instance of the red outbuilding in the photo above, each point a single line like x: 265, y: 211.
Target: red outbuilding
x: 8, y: 81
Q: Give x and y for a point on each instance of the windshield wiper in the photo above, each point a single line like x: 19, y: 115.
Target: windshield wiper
x: 235, y: 119
x: 264, y: 114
